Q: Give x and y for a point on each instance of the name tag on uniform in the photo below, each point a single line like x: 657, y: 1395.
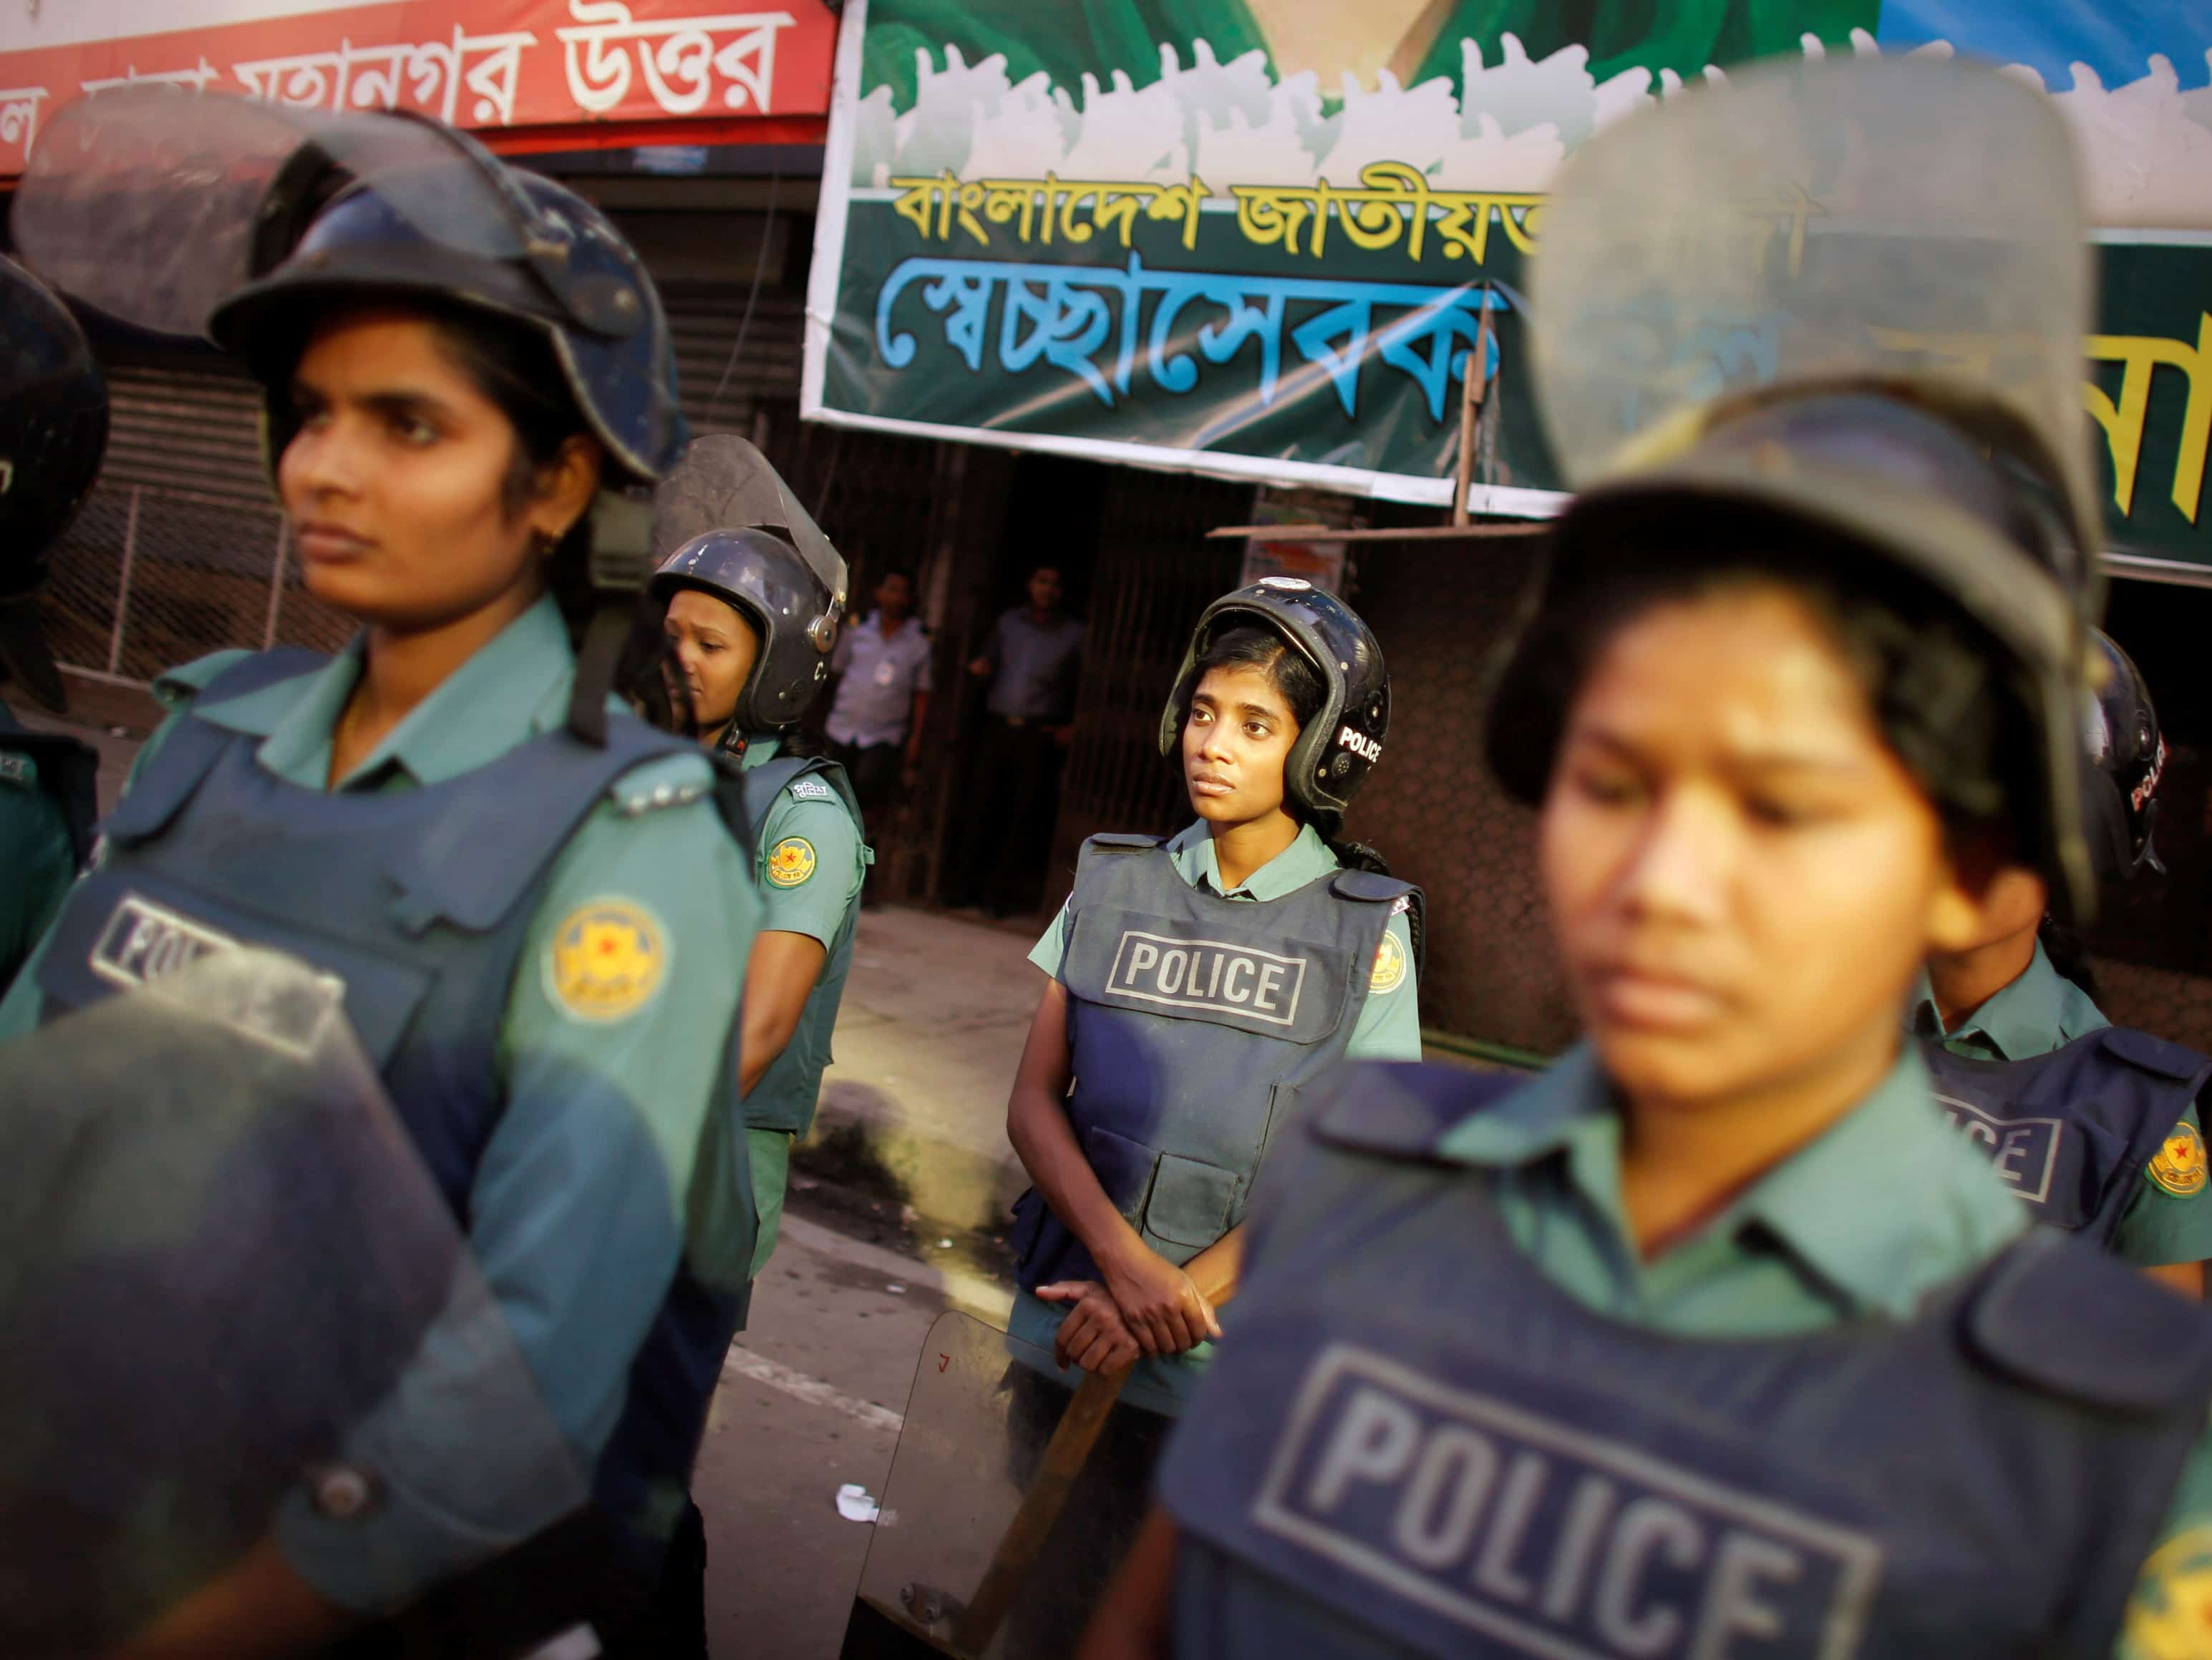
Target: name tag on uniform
x: 2024, y: 1150
x: 1544, y: 1537
x: 1208, y: 973
x: 886, y: 671
x: 143, y: 941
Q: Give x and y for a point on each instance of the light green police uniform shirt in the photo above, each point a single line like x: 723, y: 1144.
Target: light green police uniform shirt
x: 1388, y: 1029
x: 578, y: 1214
x: 808, y: 864
x: 2036, y: 1013
x: 1884, y: 1206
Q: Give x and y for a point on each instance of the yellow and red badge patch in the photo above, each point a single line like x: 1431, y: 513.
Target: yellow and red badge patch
x: 606, y: 961
x: 2178, y: 1166
x: 2170, y: 1617
x: 1390, y: 965
x: 791, y: 861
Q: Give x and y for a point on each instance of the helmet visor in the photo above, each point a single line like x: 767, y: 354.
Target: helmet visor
x: 153, y: 204
x: 1912, y: 224
x: 723, y: 482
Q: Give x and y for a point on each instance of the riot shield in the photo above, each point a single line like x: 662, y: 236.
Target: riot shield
x: 1909, y: 224
x: 977, y: 1426
x: 153, y: 204
x: 723, y: 482
x: 222, y: 1268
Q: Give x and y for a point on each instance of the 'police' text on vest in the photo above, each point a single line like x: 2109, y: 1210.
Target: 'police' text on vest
x: 1546, y: 1538
x: 1208, y: 973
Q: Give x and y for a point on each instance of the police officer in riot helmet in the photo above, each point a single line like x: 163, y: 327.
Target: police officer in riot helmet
x: 750, y: 623
x: 465, y: 369
x: 2015, y: 1040
x: 53, y: 429
x: 1713, y: 1337
x: 1198, y: 982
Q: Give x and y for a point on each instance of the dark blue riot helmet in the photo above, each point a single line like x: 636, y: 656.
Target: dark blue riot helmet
x: 790, y: 610
x: 597, y: 311
x: 53, y: 431
x: 1338, y: 747
x: 726, y: 522
x: 2127, y: 763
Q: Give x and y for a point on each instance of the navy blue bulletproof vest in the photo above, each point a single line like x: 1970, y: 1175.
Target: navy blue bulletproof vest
x: 1414, y: 1444
x: 2070, y: 1131
x: 1194, y: 1022
x: 786, y: 1096
x: 420, y: 901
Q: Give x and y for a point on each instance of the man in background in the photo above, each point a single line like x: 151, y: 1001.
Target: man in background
x: 882, y: 701
x: 1033, y: 660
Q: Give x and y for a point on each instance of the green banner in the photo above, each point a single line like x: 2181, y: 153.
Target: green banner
x: 1224, y: 236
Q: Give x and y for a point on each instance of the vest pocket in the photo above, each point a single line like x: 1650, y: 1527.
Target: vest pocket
x: 1124, y: 1168
x: 1190, y: 1202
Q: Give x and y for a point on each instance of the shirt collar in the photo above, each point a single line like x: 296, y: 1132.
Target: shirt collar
x: 1307, y: 857
x: 1884, y: 1205
x: 760, y: 750
x: 2036, y: 1013
x: 514, y: 687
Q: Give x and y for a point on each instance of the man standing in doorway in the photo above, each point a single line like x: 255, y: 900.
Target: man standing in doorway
x: 882, y: 700
x: 1032, y: 659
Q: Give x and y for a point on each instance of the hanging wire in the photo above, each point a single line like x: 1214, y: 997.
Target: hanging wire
x: 752, y: 294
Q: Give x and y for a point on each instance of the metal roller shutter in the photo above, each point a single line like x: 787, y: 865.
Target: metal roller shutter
x: 724, y: 381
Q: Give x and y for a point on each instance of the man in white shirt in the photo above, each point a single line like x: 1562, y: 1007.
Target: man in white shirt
x: 882, y: 700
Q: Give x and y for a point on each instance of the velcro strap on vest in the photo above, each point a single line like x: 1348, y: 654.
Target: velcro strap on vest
x: 1121, y: 843
x: 1402, y: 1109
x: 2155, y: 1054
x: 2057, y: 1312
x: 1365, y: 884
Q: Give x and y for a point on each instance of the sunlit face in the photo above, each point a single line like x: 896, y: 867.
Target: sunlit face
x: 395, y: 481
x: 1235, y: 741
x: 1743, y: 876
x: 715, y: 648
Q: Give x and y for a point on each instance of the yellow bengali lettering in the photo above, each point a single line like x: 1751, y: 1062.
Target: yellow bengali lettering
x: 2140, y: 356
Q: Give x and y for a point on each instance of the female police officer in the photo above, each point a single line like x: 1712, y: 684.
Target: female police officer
x: 751, y: 619
x: 1714, y: 1339
x: 538, y: 918
x: 1199, y: 984
x: 2017, y: 1044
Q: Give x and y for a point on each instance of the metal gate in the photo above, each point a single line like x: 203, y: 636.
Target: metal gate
x: 1154, y: 572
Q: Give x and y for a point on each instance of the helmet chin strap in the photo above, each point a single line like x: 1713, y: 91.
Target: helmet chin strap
x: 734, y: 741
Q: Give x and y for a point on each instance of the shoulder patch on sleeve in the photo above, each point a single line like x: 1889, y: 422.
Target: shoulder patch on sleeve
x: 188, y: 680
x: 810, y: 789
x: 790, y: 863
x: 2172, y: 1608
x: 607, y: 960
x: 2178, y: 1167
x: 1389, y: 966
x: 20, y: 771
x: 669, y: 781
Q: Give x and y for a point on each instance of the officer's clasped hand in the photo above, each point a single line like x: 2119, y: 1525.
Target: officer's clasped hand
x: 1165, y: 1310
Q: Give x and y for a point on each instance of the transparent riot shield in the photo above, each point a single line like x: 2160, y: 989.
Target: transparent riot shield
x: 153, y: 203
x: 723, y: 482
x: 978, y: 1426
x: 1909, y: 224
x: 231, y: 1301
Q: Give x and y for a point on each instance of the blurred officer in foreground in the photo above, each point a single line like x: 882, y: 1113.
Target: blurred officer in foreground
x: 53, y: 429
x: 1715, y: 1338
x: 2097, y: 1128
x: 522, y: 899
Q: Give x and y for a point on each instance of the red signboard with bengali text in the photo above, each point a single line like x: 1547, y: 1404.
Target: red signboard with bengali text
x: 523, y: 74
